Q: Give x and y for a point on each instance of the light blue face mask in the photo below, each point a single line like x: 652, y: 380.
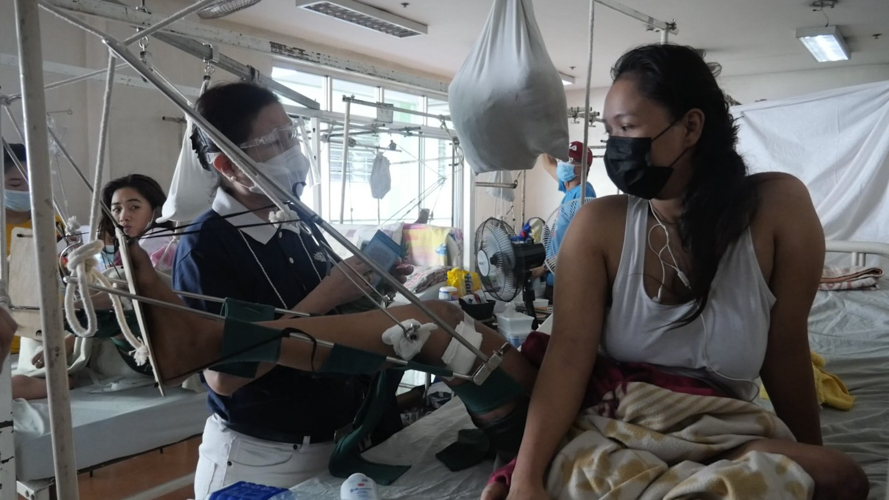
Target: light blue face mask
x: 565, y: 173
x: 17, y: 201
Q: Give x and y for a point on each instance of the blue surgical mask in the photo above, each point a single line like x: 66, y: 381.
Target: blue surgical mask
x: 565, y: 173
x: 17, y: 201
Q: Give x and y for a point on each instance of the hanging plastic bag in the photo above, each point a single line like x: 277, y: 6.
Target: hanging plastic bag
x: 507, y: 101
x: 380, y: 178
x: 499, y: 177
x: 192, y: 189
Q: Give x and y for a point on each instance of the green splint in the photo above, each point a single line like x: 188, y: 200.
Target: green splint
x: 498, y: 390
x: 241, y: 332
x: 346, y: 459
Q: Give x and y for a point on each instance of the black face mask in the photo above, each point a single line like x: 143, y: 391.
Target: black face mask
x: 628, y: 163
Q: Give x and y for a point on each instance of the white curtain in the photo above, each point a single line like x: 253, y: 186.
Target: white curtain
x: 837, y: 143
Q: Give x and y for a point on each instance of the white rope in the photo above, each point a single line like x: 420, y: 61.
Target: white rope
x: 84, y: 270
x: 282, y: 216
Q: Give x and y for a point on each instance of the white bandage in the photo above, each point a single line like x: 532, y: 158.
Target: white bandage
x: 407, y: 346
x: 457, y: 357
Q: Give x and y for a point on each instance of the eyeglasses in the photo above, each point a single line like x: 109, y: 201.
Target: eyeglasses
x: 283, y: 137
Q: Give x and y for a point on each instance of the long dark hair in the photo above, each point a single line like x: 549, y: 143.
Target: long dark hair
x: 231, y: 107
x: 720, y: 199
x: 145, y: 186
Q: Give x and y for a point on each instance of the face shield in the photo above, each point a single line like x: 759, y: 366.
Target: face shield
x: 279, y: 156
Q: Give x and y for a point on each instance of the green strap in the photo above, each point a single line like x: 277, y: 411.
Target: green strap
x: 351, y: 361
x: 241, y: 332
x: 497, y: 390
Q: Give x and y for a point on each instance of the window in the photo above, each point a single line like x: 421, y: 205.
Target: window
x: 342, y: 88
x: 404, y: 101
x: 309, y: 85
x: 420, y: 167
x: 438, y: 185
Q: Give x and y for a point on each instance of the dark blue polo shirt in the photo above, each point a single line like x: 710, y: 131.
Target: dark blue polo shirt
x: 217, y: 261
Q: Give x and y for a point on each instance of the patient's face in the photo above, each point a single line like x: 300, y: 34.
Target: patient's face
x: 14, y: 179
x: 132, y: 211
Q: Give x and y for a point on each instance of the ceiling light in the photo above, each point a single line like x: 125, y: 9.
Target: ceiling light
x: 566, y: 79
x: 365, y: 16
x: 825, y: 44
x: 224, y: 8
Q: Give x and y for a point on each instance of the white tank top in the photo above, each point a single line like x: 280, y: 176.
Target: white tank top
x: 726, y: 345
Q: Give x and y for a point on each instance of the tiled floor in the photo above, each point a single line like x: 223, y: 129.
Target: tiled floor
x: 145, y: 471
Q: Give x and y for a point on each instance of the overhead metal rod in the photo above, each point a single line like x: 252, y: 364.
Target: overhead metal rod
x: 348, y: 99
x: 635, y: 14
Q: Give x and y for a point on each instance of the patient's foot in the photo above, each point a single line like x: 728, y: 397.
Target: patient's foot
x: 181, y: 342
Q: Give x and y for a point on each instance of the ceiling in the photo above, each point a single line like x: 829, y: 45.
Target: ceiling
x: 745, y: 36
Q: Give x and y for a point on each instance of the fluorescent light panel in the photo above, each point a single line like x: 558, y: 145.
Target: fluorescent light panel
x: 825, y: 44
x: 225, y: 7
x: 365, y: 16
x: 566, y: 79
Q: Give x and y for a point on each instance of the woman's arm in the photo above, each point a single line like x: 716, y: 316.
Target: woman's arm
x: 579, y: 314
x: 796, y: 272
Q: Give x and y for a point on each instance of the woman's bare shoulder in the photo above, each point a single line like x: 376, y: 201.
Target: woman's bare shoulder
x: 781, y: 195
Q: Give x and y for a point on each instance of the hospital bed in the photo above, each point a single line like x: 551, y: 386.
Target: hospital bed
x: 850, y: 329
x: 108, y: 427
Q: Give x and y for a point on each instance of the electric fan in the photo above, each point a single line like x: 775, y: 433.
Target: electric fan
x: 505, y: 265
x: 557, y: 225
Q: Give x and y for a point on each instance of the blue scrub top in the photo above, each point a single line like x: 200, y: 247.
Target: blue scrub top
x: 563, y: 221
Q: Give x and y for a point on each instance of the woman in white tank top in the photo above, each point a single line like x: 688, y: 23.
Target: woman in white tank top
x: 700, y: 269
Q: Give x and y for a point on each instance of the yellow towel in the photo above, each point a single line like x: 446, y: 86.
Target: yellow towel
x: 830, y: 389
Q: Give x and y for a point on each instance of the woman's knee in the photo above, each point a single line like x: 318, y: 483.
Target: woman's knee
x: 840, y: 478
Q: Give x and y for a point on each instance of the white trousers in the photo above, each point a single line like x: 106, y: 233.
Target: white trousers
x: 227, y: 457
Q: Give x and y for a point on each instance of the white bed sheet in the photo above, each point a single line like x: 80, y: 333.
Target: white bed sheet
x: 416, y: 445
x: 851, y: 330
x: 107, y: 426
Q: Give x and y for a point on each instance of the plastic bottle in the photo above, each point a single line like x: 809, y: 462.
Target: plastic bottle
x: 359, y: 487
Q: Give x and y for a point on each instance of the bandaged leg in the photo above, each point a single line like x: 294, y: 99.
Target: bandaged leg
x: 457, y: 357
x: 409, y: 338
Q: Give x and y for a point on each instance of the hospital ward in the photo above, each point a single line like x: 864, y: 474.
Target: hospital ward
x: 444, y: 250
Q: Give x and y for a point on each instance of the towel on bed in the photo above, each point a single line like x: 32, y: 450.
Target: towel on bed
x: 646, y: 434
x: 830, y: 389
x: 849, y: 278
x: 655, y: 445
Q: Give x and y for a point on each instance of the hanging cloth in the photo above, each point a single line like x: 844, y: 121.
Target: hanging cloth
x: 507, y: 101
x: 192, y: 189
x: 380, y: 179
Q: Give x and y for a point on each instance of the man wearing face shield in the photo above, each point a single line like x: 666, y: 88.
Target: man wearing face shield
x: 271, y: 425
x: 567, y: 174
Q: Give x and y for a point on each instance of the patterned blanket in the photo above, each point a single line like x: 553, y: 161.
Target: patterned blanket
x: 645, y: 442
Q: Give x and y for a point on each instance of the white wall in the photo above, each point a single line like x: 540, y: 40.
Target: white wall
x: 748, y: 89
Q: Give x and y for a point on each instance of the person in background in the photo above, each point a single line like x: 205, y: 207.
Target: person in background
x: 567, y: 174
x: 17, y: 201
x: 135, y: 203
